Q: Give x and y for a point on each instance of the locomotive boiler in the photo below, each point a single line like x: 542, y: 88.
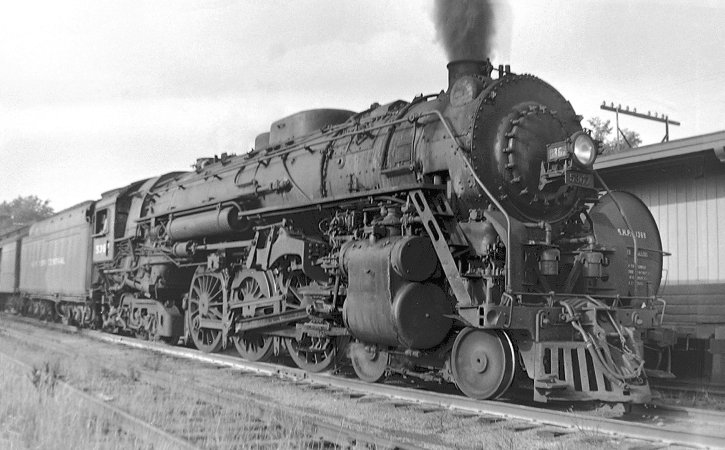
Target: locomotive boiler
x: 461, y: 236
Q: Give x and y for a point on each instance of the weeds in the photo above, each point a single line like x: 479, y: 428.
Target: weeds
x: 134, y: 374
x: 46, y: 377
x: 153, y: 362
x: 35, y: 414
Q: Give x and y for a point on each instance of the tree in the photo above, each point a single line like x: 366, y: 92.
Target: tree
x: 602, y: 131
x: 23, y: 211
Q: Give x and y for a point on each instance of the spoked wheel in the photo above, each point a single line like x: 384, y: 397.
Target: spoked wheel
x: 316, y: 354
x: 368, y: 361
x: 254, y: 346
x: 483, y: 363
x: 206, y: 299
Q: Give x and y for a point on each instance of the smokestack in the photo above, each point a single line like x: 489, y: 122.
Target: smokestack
x: 468, y: 67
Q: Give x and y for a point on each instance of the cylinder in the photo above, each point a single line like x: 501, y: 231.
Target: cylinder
x: 182, y: 249
x: 208, y: 223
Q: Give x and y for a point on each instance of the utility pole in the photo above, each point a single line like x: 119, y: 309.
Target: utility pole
x: 656, y: 117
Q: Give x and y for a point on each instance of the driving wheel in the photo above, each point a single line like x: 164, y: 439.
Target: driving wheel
x: 206, y: 299
x: 254, y: 346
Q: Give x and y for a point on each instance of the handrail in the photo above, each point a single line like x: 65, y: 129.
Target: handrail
x: 629, y: 227
x: 495, y: 202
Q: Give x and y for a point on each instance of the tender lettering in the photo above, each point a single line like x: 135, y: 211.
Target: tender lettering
x: 637, y: 233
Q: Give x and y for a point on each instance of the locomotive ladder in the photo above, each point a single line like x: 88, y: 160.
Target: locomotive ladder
x: 440, y: 223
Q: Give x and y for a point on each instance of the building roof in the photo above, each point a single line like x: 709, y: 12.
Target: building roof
x: 705, y: 142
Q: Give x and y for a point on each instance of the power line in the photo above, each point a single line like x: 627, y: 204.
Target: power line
x: 656, y: 118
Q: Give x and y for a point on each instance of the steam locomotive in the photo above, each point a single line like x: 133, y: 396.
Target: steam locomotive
x: 462, y: 236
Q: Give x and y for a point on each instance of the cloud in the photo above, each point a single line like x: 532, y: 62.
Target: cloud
x: 146, y: 87
x: 104, y: 50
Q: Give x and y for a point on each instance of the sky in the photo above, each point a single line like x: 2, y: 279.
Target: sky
x: 96, y: 94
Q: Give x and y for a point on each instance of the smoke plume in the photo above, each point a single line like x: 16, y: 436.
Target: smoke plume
x: 466, y: 27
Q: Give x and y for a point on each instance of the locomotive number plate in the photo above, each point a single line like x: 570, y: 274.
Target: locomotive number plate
x: 585, y: 180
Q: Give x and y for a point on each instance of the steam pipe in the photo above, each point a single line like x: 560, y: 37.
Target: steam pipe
x: 292, y: 180
x: 495, y: 202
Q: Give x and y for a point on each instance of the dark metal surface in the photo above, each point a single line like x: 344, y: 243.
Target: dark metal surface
x: 10, y: 251
x: 384, y: 308
x: 401, y: 225
x: 650, y: 256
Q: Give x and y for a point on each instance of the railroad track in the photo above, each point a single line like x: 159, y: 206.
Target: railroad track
x: 674, y: 386
x: 490, y: 410
x: 123, y: 422
x: 653, y: 424
x: 235, y: 418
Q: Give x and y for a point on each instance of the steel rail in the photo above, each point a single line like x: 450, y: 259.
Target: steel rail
x: 695, y: 414
x: 715, y: 390
x: 495, y: 408
x: 155, y: 436
x: 536, y: 415
x: 317, y: 425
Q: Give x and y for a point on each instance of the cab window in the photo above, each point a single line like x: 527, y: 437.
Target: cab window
x: 101, y: 223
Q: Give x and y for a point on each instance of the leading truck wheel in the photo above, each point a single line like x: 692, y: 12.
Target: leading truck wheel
x: 483, y: 363
x: 206, y: 299
x: 369, y: 361
x: 316, y: 354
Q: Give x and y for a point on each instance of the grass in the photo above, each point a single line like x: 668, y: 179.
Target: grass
x: 695, y: 399
x: 34, y: 414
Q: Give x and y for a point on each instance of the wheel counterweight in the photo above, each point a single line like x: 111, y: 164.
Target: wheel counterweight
x: 483, y: 363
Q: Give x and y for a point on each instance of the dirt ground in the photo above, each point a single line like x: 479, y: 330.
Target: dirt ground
x: 111, y: 371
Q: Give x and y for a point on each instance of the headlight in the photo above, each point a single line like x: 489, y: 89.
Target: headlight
x: 585, y: 150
